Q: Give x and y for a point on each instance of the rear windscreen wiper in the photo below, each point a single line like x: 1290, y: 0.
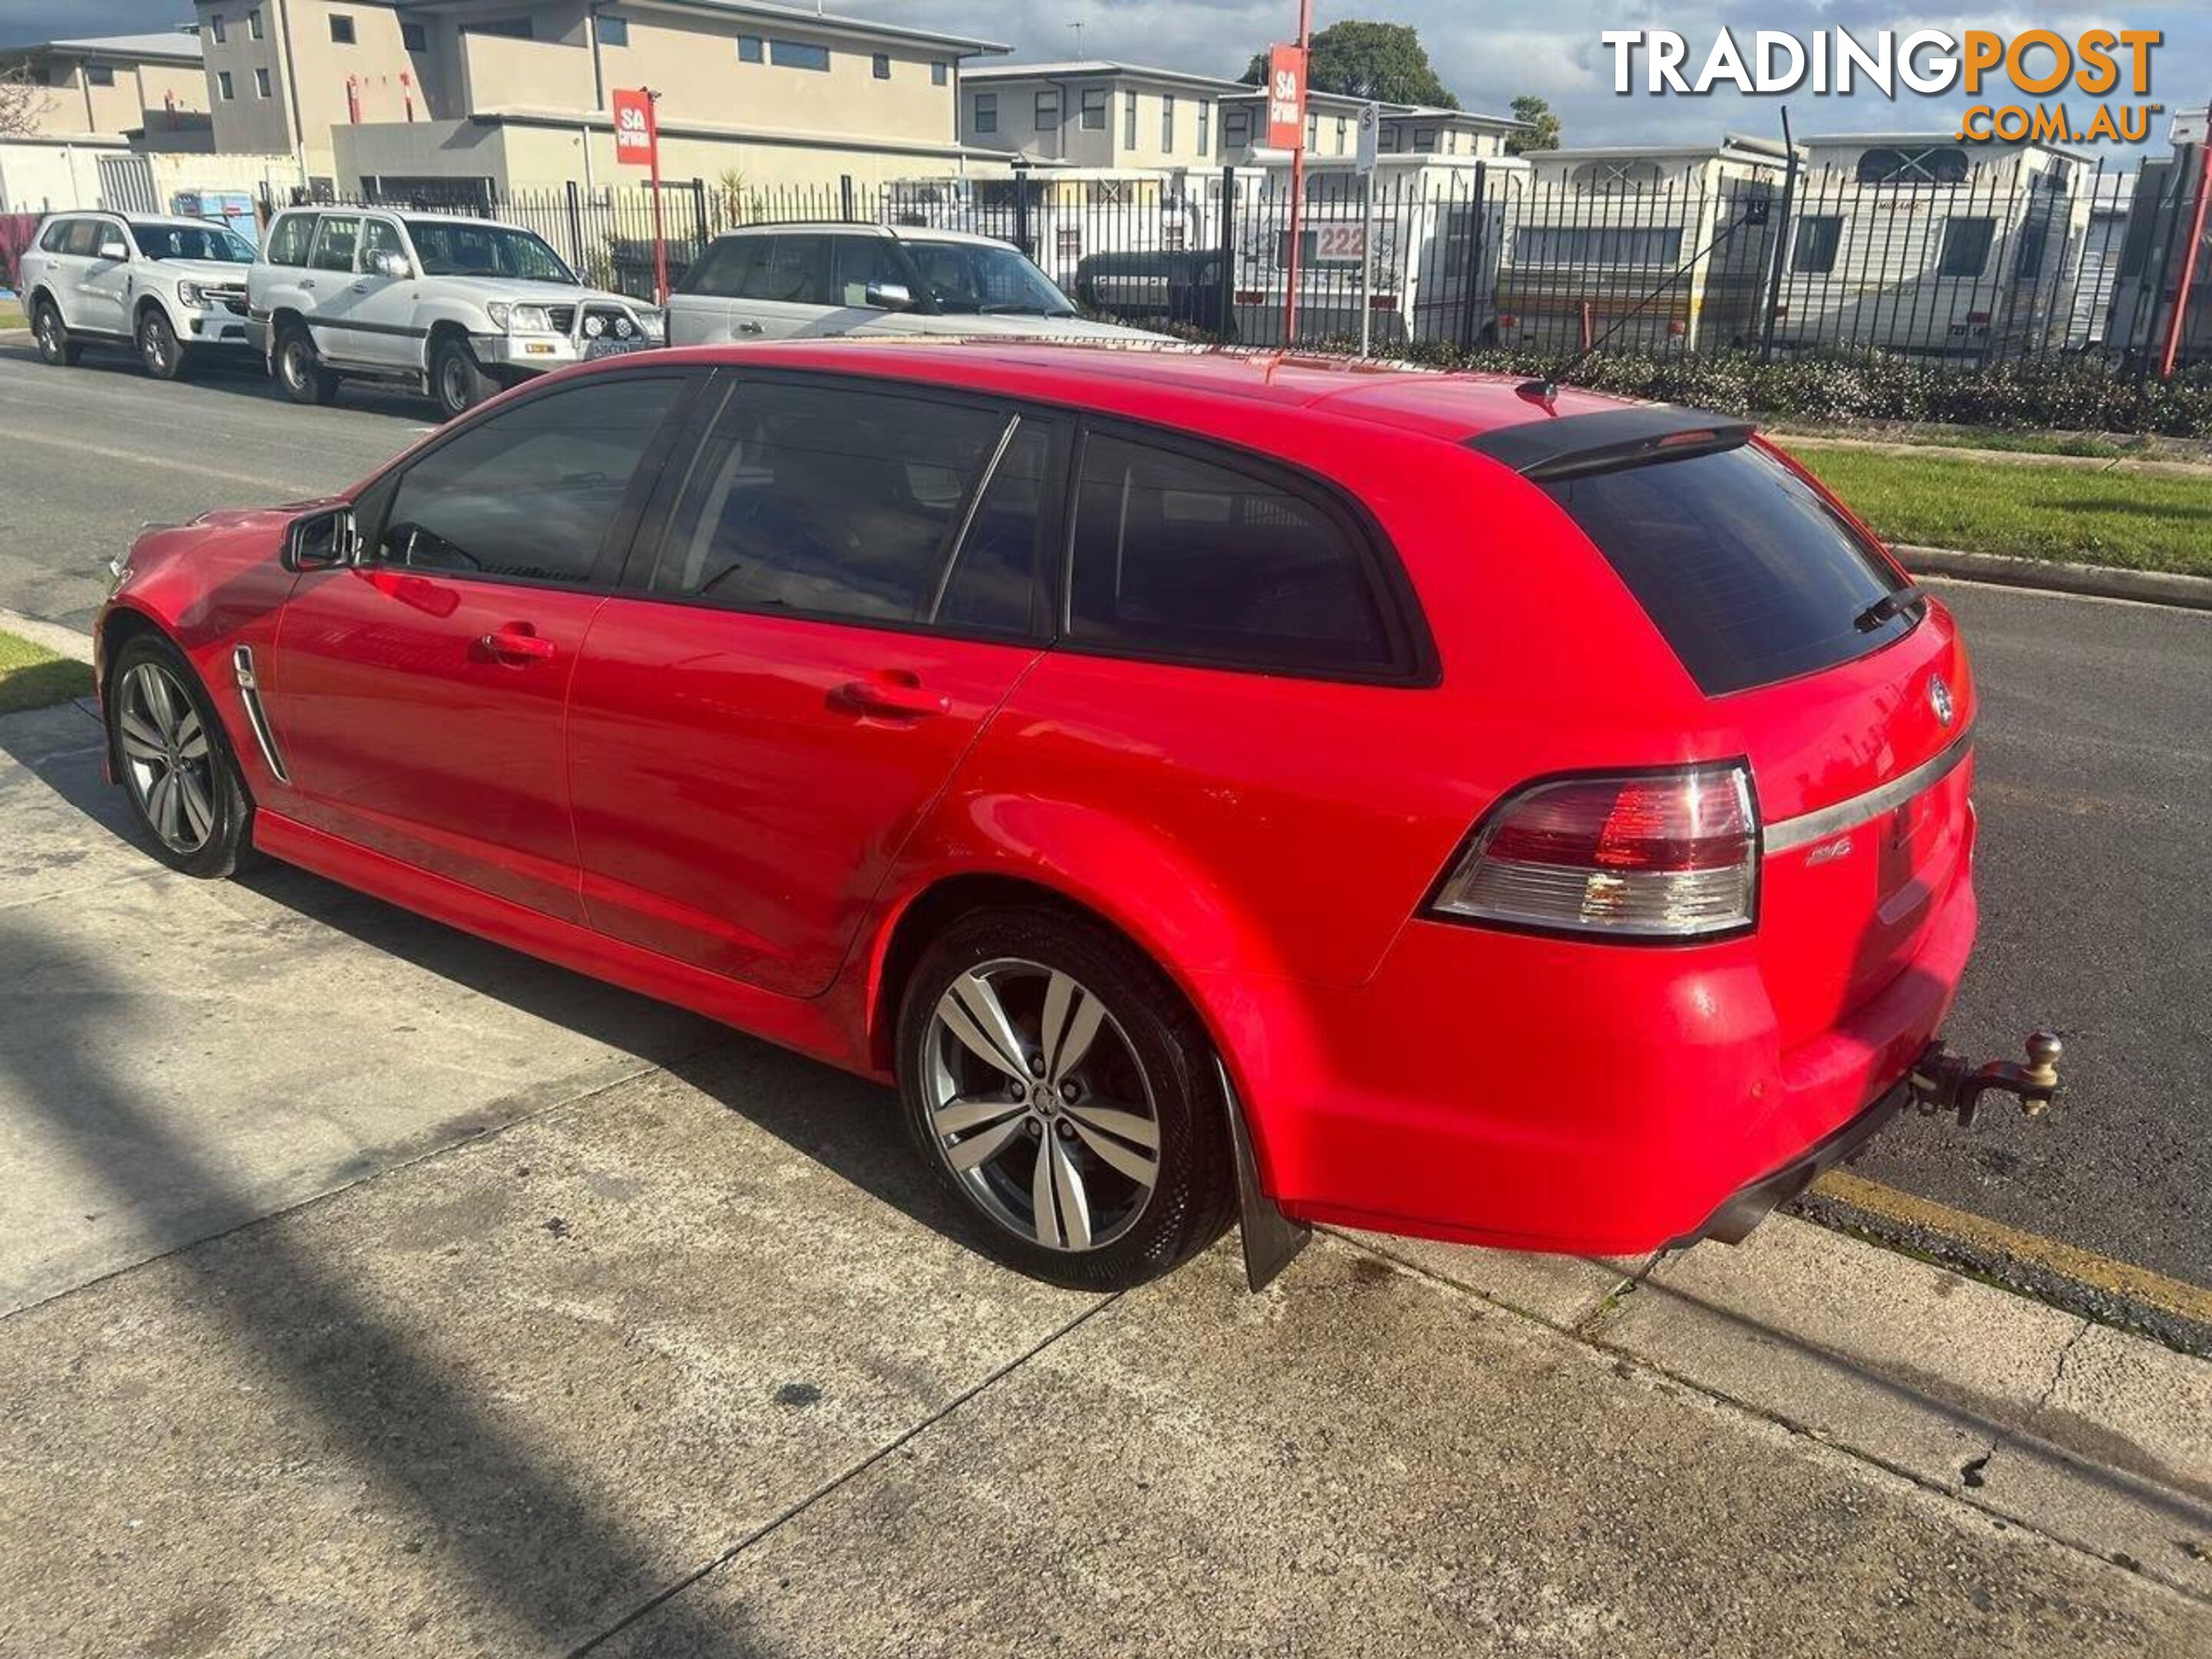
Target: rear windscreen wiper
x: 1888, y: 606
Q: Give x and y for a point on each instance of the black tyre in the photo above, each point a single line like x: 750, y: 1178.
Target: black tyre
x: 173, y: 760
x: 160, y: 351
x: 299, y: 370
x: 1065, y: 1093
x: 457, y: 380
x: 55, y: 346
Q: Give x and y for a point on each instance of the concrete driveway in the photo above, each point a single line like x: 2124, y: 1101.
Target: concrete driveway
x: 371, y: 1290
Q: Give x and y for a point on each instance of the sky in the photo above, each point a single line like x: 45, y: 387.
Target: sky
x: 1486, y: 52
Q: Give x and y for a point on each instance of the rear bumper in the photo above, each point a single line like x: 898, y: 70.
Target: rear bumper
x: 1732, y: 1223
x: 1545, y: 1095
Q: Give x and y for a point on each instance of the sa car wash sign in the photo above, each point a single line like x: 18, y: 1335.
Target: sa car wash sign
x: 1287, y: 98
x: 638, y: 136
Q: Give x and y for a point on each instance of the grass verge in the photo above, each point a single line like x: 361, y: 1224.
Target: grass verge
x: 30, y: 676
x: 2132, y: 520
x: 11, y: 315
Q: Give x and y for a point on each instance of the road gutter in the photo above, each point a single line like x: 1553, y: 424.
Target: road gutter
x: 2057, y: 576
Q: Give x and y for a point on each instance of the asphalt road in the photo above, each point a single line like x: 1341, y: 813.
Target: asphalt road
x: 2095, y: 790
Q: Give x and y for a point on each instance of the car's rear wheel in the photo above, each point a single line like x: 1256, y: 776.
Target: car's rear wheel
x: 457, y: 380
x: 159, y: 349
x: 55, y: 346
x: 173, y: 763
x: 300, y: 370
x: 1063, y: 1092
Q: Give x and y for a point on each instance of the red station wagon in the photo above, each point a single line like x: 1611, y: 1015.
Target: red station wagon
x: 1391, y: 798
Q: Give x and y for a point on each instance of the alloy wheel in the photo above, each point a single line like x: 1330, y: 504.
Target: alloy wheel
x: 1038, y: 1105
x: 50, y: 332
x: 167, y: 758
x: 154, y: 343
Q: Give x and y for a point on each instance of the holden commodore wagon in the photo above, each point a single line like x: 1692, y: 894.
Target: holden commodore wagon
x: 1203, y: 783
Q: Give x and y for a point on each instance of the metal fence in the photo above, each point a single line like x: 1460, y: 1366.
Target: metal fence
x: 2004, y: 265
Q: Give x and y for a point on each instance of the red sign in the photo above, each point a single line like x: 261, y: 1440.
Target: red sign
x: 1287, y: 98
x: 637, y: 135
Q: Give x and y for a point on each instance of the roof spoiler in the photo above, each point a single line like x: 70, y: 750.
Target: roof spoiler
x: 1574, y: 444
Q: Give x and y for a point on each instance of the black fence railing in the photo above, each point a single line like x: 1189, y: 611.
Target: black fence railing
x: 2014, y: 261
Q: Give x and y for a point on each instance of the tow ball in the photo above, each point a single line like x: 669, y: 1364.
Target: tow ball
x: 1947, y: 1082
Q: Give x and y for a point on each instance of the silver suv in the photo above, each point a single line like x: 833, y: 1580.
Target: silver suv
x: 775, y: 281
x: 455, y: 308
x: 172, y: 289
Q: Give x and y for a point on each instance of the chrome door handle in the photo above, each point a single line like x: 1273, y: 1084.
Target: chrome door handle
x: 510, y: 644
x: 360, y: 288
x: 306, y: 282
x: 749, y: 328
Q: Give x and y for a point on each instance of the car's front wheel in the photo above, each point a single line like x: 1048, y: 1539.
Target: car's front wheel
x: 457, y: 379
x: 173, y: 763
x: 159, y: 349
x: 1065, y: 1093
x: 55, y: 346
x: 300, y: 370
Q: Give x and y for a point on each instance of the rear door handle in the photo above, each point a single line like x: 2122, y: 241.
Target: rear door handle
x: 306, y: 282
x: 892, y: 698
x: 749, y: 328
x: 360, y: 288
x: 512, y: 644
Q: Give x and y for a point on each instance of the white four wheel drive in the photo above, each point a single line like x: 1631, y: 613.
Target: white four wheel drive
x: 456, y: 307
x: 174, y: 290
x: 788, y: 281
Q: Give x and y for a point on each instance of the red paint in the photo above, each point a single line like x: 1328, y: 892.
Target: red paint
x: 733, y: 812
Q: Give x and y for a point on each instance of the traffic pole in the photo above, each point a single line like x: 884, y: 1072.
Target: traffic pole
x: 659, y: 233
x: 1298, y: 175
x: 1367, y: 265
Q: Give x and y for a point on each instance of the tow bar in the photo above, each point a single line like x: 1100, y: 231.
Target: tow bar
x: 1946, y: 1082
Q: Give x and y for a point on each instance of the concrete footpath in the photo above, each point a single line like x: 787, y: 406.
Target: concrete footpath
x: 371, y: 1290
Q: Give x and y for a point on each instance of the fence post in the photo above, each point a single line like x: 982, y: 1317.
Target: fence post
x: 1471, y: 285
x: 1227, y: 320
x: 845, y: 197
x: 576, y: 226
x: 1780, y: 233
x: 1022, y: 210
x: 698, y: 218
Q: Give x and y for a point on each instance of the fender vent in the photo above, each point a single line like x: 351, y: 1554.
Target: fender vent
x: 249, y: 693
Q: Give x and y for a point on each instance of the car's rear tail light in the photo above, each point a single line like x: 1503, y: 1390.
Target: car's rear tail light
x: 1662, y: 855
x: 1507, y: 320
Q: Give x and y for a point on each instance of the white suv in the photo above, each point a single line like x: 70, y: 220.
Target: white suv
x: 775, y: 282
x: 172, y: 289
x: 456, y: 307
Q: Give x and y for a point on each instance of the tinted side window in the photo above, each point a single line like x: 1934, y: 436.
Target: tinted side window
x: 531, y: 493
x: 829, y: 501
x: 722, y: 272
x: 83, y: 238
x: 56, y: 233
x: 335, y: 239
x: 792, y: 269
x: 866, y: 262
x: 993, y: 578
x: 1185, y: 558
x: 288, y: 243
x: 1965, y: 246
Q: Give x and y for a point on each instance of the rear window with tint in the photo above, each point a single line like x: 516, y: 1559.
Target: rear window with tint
x: 1744, y: 569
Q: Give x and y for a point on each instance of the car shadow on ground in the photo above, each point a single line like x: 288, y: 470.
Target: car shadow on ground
x: 247, y: 379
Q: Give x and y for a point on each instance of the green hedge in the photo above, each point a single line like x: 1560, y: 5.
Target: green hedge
x: 2072, y: 394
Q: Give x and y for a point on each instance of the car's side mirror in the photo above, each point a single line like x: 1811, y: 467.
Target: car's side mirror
x: 322, y: 541
x: 386, y: 263
x: 888, y: 296
x: 115, y: 252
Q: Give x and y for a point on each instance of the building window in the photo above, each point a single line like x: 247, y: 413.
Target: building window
x: 937, y: 72
x: 1167, y: 124
x: 1339, y: 135
x: 1818, y: 239
x: 253, y: 23
x: 261, y: 83
x: 214, y: 28
x: 223, y: 85
x: 883, y: 65
x: 1128, y: 120
x: 341, y: 29
x: 100, y: 75
x: 751, y: 49
x: 415, y: 37
x: 798, y: 54
x: 1048, y: 110
x: 986, y: 111
x: 1236, y: 128
x: 1094, y: 109
x: 614, y: 31
x: 1313, y: 132
x: 1425, y: 139
x: 1205, y: 126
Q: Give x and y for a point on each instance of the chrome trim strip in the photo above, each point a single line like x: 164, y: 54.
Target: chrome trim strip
x: 249, y: 693
x: 1789, y: 834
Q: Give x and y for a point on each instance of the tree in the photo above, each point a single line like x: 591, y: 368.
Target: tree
x: 23, y: 100
x: 1538, y: 115
x: 1382, y: 61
